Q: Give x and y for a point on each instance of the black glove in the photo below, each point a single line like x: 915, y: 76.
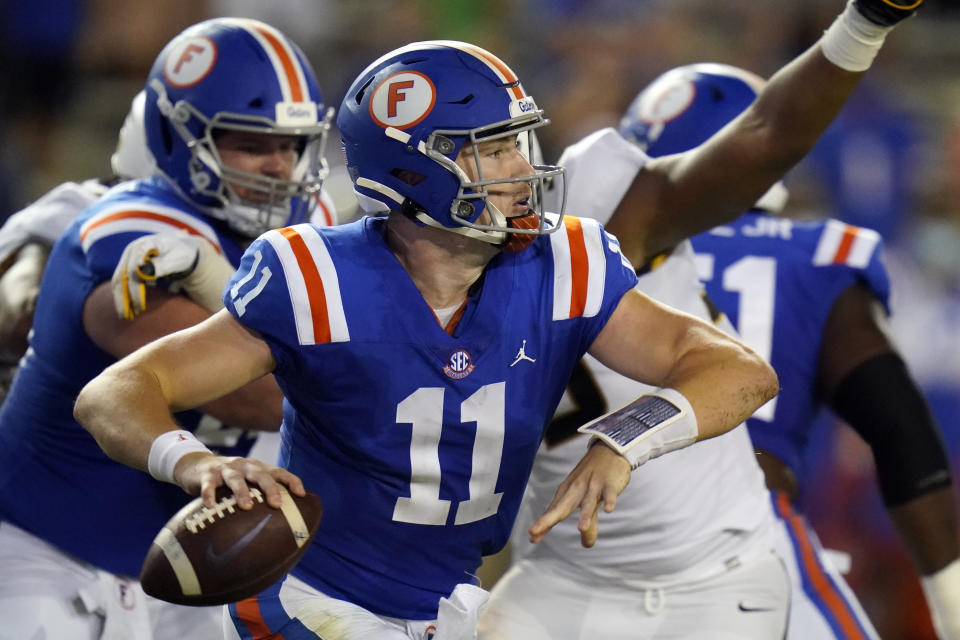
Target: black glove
x: 887, y: 13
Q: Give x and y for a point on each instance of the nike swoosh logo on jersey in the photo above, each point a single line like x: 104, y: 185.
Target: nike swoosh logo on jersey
x: 219, y: 559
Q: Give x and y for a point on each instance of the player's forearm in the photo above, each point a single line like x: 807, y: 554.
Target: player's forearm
x: 793, y: 110
x: 803, y: 97
x: 774, y: 133
x: 124, y: 409
x: 928, y: 527
x: 724, y: 381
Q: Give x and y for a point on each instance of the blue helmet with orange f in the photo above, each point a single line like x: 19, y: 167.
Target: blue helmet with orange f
x: 406, y: 118
x: 242, y: 75
x: 686, y: 105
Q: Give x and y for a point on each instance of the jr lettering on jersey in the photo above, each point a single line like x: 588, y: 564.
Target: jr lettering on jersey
x: 770, y: 227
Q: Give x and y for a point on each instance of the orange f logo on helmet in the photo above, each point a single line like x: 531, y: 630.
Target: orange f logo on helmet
x: 402, y: 100
x: 394, y: 96
x: 187, y: 56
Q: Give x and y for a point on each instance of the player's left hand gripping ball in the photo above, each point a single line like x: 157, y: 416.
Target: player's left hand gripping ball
x: 887, y: 13
x: 216, y: 556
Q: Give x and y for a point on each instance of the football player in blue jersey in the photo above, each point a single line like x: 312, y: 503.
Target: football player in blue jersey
x: 811, y: 297
x: 235, y: 124
x: 423, y: 349
x: 421, y: 352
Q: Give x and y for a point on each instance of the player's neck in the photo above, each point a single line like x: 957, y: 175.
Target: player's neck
x: 442, y: 265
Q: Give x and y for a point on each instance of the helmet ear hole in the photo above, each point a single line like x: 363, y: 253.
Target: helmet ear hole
x: 406, y: 176
x: 363, y: 90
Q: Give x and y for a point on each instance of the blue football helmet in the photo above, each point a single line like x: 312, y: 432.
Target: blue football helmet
x: 244, y: 75
x: 683, y: 107
x: 407, y: 116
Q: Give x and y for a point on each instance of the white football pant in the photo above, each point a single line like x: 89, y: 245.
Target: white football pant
x: 46, y: 593
x: 542, y: 600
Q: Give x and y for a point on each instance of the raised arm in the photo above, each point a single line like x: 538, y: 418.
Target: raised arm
x: 674, y: 197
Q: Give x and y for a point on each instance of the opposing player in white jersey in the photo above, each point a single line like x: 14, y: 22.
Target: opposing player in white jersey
x: 688, y: 553
x: 235, y: 124
x: 811, y: 297
x: 423, y: 352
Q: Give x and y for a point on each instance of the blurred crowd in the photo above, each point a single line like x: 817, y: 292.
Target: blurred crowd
x: 68, y: 69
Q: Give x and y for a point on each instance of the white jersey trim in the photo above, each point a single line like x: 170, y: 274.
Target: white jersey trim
x: 579, y: 268
x: 148, y: 218
x: 314, y: 326
x: 841, y: 243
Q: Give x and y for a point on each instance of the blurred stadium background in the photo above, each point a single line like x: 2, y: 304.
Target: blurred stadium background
x: 68, y: 69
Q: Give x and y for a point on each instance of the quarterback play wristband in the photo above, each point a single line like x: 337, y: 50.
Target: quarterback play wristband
x: 648, y: 427
x: 942, y: 590
x: 852, y: 41
x: 166, y: 451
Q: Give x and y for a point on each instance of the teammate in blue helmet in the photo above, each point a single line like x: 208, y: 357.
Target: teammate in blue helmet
x: 229, y: 78
x: 422, y: 351
x: 830, y: 349
x: 682, y: 562
x: 811, y: 297
x: 235, y: 124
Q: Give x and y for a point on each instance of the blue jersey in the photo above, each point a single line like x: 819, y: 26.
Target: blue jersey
x: 777, y: 279
x: 419, y: 442
x: 55, y: 481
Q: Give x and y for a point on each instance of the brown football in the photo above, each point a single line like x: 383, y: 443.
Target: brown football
x: 221, y: 555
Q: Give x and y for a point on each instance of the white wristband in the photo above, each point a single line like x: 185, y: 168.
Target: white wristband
x: 166, y: 451
x: 650, y: 426
x: 942, y: 590
x: 852, y: 41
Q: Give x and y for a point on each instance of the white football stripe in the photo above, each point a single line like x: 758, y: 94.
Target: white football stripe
x: 294, y: 518
x: 177, y: 557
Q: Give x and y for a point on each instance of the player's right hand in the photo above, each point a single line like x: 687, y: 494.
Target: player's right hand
x: 887, y: 13
x: 176, y: 260
x: 600, y: 476
x: 201, y: 473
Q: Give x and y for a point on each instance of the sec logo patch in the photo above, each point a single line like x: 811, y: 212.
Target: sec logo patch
x: 459, y: 365
x: 402, y: 100
x: 189, y: 61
